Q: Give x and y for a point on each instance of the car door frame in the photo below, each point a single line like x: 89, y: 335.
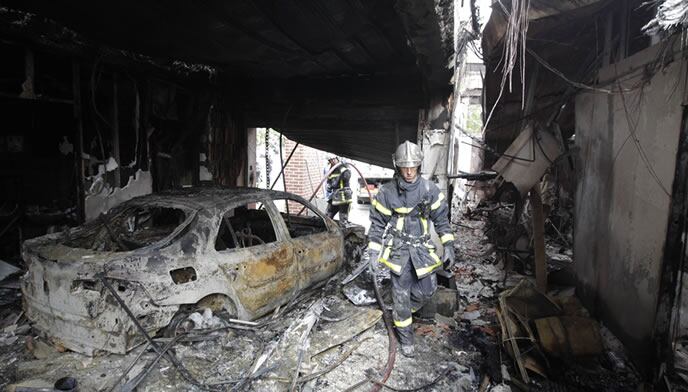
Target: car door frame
x: 328, y: 255
x: 239, y: 270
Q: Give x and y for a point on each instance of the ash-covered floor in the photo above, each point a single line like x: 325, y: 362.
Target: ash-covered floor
x: 323, y: 342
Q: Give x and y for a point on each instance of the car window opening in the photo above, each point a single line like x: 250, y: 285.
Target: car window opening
x: 244, y: 227
x: 309, y: 222
x: 129, y: 229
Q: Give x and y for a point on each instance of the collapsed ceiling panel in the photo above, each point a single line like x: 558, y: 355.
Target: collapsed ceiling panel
x: 560, y: 34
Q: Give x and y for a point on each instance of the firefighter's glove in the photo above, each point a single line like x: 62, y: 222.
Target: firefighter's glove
x: 448, y: 259
x: 372, y: 256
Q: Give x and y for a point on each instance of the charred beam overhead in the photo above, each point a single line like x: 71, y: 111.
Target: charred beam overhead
x: 256, y: 37
x: 558, y: 31
x: 29, y: 30
x: 332, y: 66
x: 431, y: 38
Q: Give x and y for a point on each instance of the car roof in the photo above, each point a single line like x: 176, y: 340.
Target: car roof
x: 211, y: 197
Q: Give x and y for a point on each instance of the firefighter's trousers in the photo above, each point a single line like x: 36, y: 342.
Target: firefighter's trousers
x: 342, y: 209
x: 409, y: 295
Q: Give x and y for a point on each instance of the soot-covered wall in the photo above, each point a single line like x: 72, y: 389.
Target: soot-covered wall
x: 628, y: 144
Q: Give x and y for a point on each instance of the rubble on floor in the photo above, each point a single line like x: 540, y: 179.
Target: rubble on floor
x: 14, y: 332
x: 324, y: 344
x: 529, y: 340
x: 333, y: 338
x: 681, y: 363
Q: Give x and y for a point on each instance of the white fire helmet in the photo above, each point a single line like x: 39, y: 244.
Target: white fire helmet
x: 408, y: 155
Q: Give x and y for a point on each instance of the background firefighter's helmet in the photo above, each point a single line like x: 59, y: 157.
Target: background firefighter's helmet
x: 408, y: 155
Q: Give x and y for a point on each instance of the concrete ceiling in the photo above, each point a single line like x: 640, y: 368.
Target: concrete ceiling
x: 255, y: 38
x: 347, y: 76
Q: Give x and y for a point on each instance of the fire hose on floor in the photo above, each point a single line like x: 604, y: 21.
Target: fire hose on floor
x: 392, y: 346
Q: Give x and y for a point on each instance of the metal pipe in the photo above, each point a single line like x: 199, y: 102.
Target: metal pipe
x: 169, y: 356
x: 284, y: 178
x: 132, y: 384
x: 131, y: 366
x: 285, y: 162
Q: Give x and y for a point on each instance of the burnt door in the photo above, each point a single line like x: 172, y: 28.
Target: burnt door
x: 318, y: 245
x: 257, y: 257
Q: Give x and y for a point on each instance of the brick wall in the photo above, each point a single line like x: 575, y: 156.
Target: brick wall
x: 304, y: 171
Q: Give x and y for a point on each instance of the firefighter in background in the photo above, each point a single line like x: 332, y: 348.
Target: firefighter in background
x: 338, y: 192
x: 399, y: 238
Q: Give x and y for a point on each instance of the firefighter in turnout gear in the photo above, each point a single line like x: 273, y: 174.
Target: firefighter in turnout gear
x: 338, y: 192
x: 399, y: 238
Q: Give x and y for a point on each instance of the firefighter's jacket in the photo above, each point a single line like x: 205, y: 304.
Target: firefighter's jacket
x: 338, y: 189
x: 399, y: 217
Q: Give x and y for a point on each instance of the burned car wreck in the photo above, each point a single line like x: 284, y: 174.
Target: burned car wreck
x: 166, y: 254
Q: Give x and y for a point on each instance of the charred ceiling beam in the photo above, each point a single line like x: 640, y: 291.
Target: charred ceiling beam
x: 296, y: 33
x: 257, y: 38
x: 558, y: 31
x: 268, y: 15
x: 385, y: 39
x: 353, y: 47
x: 343, y: 65
x: 429, y: 38
x: 50, y: 36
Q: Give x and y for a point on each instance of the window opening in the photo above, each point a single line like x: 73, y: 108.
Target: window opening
x: 245, y: 226
x: 128, y: 229
x: 309, y: 222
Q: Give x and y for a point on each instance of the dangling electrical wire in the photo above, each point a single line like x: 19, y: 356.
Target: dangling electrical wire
x: 514, y: 43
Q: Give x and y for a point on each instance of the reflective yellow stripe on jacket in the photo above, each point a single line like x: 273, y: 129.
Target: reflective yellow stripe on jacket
x: 421, y: 272
x: 384, y: 259
x: 391, y: 266
x: 424, y: 222
x: 382, y: 209
x: 426, y: 270
x: 400, y: 223
x: 437, y: 202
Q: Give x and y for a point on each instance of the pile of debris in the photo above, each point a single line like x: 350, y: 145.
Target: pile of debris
x: 324, y: 343
x: 14, y: 328
x: 554, y: 338
x: 530, y: 340
x: 319, y: 341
